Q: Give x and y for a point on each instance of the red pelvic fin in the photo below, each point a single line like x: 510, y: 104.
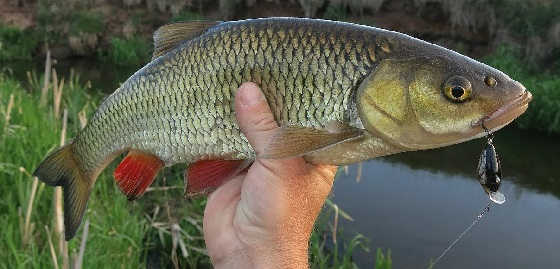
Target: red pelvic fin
x: 136, y: 173
x: 205, y: 176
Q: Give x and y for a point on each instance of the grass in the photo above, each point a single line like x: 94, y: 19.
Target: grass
x: 544, y: 111
x: 161, y: 230
x: 27, y: 134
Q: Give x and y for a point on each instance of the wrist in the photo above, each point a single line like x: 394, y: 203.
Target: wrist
x: 290, y: 255
x: 270, y: 255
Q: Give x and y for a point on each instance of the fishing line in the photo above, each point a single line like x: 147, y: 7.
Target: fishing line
x: 476, y: 220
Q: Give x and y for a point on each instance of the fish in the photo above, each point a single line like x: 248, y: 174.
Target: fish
x: 340, y: 92
x: 490, y: 172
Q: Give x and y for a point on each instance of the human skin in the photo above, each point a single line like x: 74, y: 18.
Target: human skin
x: 263, y: 218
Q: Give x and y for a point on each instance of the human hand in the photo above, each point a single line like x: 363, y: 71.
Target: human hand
x: 264, y: 218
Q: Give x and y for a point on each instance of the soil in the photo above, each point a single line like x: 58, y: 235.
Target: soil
x: 17, y: 14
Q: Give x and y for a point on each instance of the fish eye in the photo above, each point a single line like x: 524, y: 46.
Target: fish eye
x: 457, y: 89
x: 490, y: 81
x: 457, y: 92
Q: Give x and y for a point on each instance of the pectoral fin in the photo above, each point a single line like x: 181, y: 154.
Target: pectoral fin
x: 297, y: 141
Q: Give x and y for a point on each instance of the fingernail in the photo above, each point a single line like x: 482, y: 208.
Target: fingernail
x: 250, y: 95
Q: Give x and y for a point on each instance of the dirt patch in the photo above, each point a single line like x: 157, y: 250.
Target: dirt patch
x: 19, y: 14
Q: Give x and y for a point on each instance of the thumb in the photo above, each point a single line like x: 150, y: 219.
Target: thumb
x: 254, y: 116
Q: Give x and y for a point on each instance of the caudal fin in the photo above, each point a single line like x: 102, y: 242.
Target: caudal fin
x: 61, y: 169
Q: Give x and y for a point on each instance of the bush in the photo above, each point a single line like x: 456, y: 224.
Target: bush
x: 527, y: 18
x: 186, y: 16
x: 337, y: 13
x: 86, y: 22
x: 16, y: 44
x: 544, y: 111
x: 134, y: 51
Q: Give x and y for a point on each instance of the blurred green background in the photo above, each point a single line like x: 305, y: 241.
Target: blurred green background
x: 97, y: 44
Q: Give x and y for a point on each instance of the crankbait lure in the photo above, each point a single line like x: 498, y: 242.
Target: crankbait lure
x: 490, y: 171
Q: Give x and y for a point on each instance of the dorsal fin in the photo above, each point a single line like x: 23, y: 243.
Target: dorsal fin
x: 167, y: 37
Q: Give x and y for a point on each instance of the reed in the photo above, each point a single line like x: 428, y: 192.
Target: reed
x: 51, y: 248
x: 383, y: 261
x: 58, y: 206
x: 335, y: 224
x: 27, y: 204
x: 326, y: 248
x: 45, y: 89
x: 8, y: 111
x: 27, y: 228
x: 80, y: 259
x: 57, y: 93
x: 359, y: 172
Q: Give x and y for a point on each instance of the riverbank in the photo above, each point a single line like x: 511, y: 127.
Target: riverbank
x: 73, y: 28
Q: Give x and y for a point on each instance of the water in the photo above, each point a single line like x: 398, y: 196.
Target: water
x: 417, y: 203
x: 475, y: 221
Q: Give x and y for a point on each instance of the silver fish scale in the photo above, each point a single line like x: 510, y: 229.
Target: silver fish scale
x: 179, y: 107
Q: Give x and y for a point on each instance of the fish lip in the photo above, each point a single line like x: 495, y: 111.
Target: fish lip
x: 507, y: 113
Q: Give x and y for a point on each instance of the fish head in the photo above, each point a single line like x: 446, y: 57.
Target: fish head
x: 437, y: 99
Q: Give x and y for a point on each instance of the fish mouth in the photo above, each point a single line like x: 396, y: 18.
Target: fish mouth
x: 507, y: 113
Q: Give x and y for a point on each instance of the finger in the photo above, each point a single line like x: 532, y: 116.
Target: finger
x: 220, y: 209
x: 254, y: 116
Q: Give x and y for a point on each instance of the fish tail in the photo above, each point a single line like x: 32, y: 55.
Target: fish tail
x: 61, y: 168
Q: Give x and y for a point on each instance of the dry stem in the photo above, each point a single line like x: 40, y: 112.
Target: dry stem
x: 53, y: 252
x: 45, y: 90
x: 26, y: 227
x: 82, y: 118
x: 59, y: 217
x: 64, y: 122
x: 79, y: 260
x: 9, y: 108
x: 57, y: 93
x: 359, y: 172
x: 335, y: 224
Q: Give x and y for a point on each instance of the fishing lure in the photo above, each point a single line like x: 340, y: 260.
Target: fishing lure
x: 490, y: 171
x: 489, y: 175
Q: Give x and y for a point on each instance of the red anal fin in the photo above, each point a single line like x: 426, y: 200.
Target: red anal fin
x: 136, y: 173
x: 207, y: 175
